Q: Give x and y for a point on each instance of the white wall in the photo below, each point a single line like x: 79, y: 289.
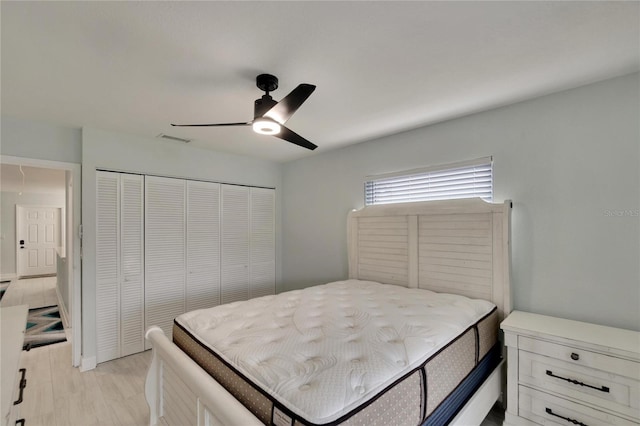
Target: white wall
x: 569, y: 161
x: 8, y: 202
x: 33, y: 139
x: 113, y: 151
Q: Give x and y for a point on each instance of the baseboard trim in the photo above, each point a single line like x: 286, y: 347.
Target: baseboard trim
x: 8, y: 277
x: 88, y: 363
x: 63, y: 309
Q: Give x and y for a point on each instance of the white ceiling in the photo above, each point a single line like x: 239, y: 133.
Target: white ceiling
x: 379, y: 67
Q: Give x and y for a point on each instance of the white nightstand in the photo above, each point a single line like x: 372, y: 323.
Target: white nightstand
x: 568, y: 372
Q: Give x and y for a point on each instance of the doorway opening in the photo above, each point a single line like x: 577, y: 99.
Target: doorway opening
x: 41, y: 230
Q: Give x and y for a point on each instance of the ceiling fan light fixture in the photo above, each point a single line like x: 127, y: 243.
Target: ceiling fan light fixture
x: 265, y: 126
x: 270, y: 116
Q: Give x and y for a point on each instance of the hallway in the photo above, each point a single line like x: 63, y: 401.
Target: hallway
x: 35, y: 292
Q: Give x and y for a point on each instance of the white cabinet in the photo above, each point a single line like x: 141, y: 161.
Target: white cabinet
x: 119, y: 265
x: 569, y: 372
x: 166, y: 246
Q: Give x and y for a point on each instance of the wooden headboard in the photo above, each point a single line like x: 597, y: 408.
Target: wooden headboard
x: 453, y: 246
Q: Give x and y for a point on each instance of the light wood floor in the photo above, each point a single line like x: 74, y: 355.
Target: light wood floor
x: 58, y: 394
x: 112, y: 394
x: 35, y: 292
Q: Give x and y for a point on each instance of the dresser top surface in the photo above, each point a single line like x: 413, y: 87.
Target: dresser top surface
x: 541, y: 325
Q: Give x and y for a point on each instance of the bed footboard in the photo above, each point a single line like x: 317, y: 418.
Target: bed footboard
x: 479, y: 405
x: 179, y: 392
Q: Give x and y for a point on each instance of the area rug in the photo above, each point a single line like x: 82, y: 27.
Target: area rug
x: 44, y: 327
x: 4, y: 285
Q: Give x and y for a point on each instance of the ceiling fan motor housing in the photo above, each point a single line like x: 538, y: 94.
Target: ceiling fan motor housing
x: 262, y: 105
x: 267, y: 82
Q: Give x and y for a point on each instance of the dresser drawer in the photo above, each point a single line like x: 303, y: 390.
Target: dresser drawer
x: 546, y: 409
x: 607, y: 390
x: 610, y: 364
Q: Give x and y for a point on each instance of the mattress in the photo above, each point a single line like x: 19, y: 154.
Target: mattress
x: 349, y: 352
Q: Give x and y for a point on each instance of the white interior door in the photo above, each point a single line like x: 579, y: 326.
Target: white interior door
x: 38, y: 237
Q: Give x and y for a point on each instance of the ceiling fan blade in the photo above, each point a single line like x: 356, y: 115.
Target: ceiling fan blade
x: 291, y: 136
x: 213, y: 125
x: 284, y: 109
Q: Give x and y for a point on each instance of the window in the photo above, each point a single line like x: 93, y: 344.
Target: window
x: 468, y: 179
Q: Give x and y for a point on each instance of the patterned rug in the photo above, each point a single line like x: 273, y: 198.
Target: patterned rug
x: 3, y: 288
x: 44, y: 327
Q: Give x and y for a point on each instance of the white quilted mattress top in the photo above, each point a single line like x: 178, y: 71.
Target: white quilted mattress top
x: 325, y: 350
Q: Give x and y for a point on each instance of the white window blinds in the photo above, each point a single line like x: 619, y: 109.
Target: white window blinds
x: 468, y: 179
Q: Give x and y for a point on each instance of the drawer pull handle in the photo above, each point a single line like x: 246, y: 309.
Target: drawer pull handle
x: 576, y: 382
x: 575, y: 356
x: 575, y: 422
x: 23, y: 384
x: 20, y: 422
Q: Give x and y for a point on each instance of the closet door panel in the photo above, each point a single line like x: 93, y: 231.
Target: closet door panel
x: 107, y: 266
x: 164, y: 251
x: 235, y: 243
x: 203, y: 245
x: 263, y: 279
x: 132, y: 264
x: 262, y: 262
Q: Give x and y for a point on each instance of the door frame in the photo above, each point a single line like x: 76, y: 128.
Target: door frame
x: 73, y: 242
x: 61, y: 230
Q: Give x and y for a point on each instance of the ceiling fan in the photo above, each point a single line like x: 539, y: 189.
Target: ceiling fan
x: 269, y: 116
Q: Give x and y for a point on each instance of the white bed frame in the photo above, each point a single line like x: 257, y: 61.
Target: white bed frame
x: 459, y: 246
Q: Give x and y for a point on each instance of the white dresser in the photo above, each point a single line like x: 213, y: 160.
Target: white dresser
x: 13, y: 321
x: 563, y: 372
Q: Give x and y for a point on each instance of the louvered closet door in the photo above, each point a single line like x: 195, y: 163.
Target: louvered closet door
x: 132, y: 264
x: 203, y: 245
x: 262, y: 262
x: 107, y: 265
x: 164, y: 251
x: 235, y: 243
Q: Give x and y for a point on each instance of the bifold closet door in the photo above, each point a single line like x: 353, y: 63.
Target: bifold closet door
x: 119, y: 265
x: 235, y: 243
x: 131, y: 264
x: 107, y: 266
x: 203, y: 245
x: 166, y: 246
x: 164, y: 251
x: 248, y: 242
x: 262, y: 259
